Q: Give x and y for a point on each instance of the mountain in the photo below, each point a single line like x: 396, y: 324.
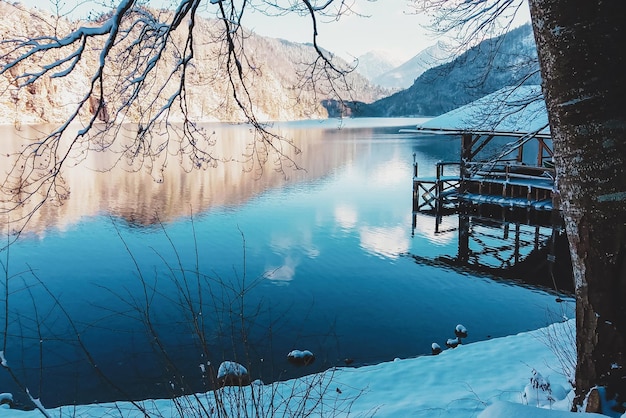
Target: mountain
x: 509, y: 59
x: 403, y: 76
x: 375, y: 63
x: 272, y: 69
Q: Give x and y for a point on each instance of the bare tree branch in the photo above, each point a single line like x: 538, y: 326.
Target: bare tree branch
x: 471, y: 21
x: 139, y: 64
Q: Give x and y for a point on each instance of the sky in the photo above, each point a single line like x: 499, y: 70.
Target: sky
x: 526, y: 377
x: 382, y: 25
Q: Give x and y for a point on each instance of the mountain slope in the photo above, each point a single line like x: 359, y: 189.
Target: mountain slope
x: 404, y: 75
x: 509, y: 59
x: 273, y: 71
x: 375, y: 63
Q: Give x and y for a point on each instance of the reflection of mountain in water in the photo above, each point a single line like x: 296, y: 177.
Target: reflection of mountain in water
x: 159, y: 191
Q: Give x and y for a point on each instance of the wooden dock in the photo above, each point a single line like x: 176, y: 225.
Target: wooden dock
x: 508, y: 185
x: 502, y: 190
x: 515, y: 174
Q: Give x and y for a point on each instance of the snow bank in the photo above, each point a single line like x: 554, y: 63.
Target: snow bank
x: 513, y: 410
x: 485, y: 379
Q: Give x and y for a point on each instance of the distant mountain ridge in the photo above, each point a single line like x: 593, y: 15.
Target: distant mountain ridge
x: 403, y: 76
x: 509, y: 59
x: 375, y: 63
x: 274, y: 82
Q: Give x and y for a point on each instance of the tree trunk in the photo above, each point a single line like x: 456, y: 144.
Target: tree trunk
x: 581, y: 48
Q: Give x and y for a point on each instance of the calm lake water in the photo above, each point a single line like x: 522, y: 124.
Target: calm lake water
x: 160, y: 277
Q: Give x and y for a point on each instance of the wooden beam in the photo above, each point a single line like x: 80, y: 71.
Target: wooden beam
x: 481, y: 146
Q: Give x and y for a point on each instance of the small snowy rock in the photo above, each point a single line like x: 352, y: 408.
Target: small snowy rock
x: 453, y: 342
x: 301, y: 358
x: 231, y: 373
x: 6, y: 399
x: 436, y: 349
x: 460, y: 331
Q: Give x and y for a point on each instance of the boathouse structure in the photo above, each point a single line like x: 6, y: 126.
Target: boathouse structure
x: 505, y: 159
x: 502, y: 188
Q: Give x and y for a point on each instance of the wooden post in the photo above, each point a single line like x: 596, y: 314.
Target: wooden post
x: 466, y: 157
x: 415, y: 186
x: 517, y: 243
x: 464, y: 228
x: 438, y: 189
x: 466, y: 151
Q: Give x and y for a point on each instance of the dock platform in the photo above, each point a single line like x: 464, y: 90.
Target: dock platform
x: 508, y: 185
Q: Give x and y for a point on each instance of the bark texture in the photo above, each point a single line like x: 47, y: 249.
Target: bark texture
x: 581, y: 48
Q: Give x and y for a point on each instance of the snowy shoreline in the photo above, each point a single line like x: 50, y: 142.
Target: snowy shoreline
x: 468, y: 381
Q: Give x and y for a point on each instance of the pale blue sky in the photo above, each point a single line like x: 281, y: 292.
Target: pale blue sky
x: 389, y: 26
x: 386, y: 25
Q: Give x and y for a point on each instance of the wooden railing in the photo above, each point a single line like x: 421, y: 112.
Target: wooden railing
x: 430, y: 193
x: 507, y: 171
x: 503, y: 178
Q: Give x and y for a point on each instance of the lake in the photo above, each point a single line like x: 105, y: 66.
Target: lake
x: 157, y: 277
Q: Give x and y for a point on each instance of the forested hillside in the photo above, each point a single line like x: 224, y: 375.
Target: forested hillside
x: 275, y: 73
x: 509, y: 59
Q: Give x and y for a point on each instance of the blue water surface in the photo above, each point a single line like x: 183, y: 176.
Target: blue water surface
x: 237, y: 265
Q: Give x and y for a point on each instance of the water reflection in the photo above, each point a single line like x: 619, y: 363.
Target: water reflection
x: 346, y: 216
x: 386, y: 242
x: 148, y: 193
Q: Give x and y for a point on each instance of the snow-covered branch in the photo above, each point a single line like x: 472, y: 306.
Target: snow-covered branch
x: 136, y: 65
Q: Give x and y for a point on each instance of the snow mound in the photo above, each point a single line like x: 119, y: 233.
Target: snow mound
x: 503, y: 409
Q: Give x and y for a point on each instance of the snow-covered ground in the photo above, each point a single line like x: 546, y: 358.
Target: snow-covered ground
x: 505, y: 377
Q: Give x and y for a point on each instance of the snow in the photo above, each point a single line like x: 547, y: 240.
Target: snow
x: 509, y: 110
x: 512, y: 410
x: 38, y: 405
x: 486, y: 379
x: 435, y: 348
x: 453, y: 342
x: 460, y: 331
x: 230, y: 368
x: 539, y: 392
x: 301, y: 357
x: 300, y: 353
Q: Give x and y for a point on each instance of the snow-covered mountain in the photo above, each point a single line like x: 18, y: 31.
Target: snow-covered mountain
x: 375, y: 63
x: 404, y: 75
x: 509, y: 59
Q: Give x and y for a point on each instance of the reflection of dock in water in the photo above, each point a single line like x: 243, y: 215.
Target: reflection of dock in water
x: 531, y: 249
x: 502, y: 190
